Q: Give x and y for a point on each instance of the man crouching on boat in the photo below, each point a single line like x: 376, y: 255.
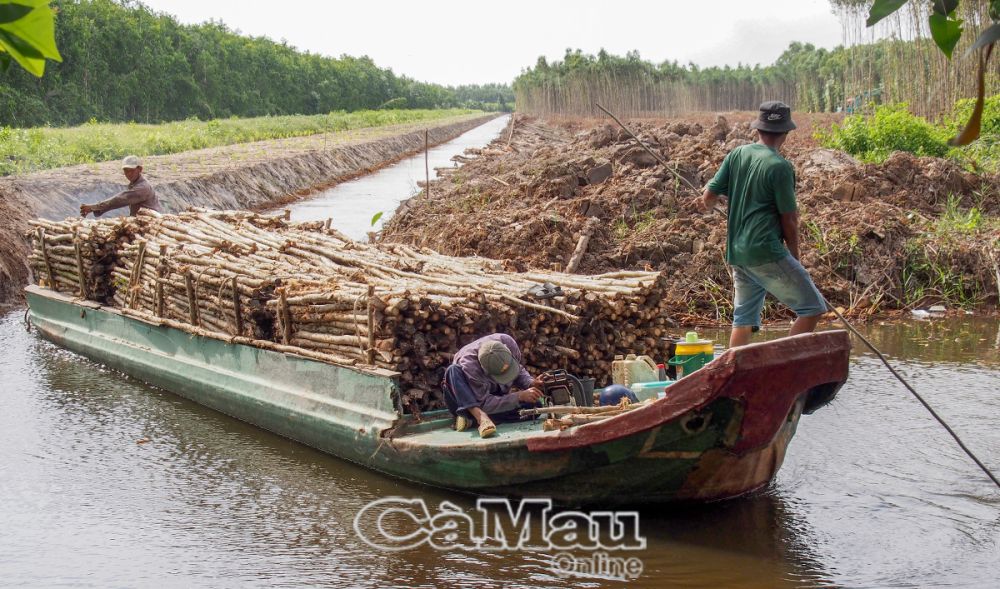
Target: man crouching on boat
x: 486, y: 382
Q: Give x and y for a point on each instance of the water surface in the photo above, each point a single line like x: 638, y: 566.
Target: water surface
x: 352, y: 205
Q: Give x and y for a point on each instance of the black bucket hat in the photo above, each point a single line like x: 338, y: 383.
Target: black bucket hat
x: 775, y: 117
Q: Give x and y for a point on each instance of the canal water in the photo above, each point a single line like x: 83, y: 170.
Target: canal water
x: 106, y: 481
x: 352, y: 206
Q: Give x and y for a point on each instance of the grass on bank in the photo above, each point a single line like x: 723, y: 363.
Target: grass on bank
x: 944, y: 264
x: 41, y: 148
x: 892, y: 127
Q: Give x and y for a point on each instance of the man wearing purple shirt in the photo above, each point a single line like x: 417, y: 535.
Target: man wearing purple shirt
x: 486, y: 381
x: 138, y: 195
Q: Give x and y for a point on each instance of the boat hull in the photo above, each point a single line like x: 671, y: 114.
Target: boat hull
x: 722, y: 433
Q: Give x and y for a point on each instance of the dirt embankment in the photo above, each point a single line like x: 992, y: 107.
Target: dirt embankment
x: 245, y: 176
x: 14, y: 250
x: 874, y: 237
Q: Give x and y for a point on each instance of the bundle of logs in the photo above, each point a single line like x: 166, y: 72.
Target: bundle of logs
x: 306, y: 288
x: 76, y: 256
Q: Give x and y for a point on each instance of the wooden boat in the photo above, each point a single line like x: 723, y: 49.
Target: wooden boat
x: 720, y: 433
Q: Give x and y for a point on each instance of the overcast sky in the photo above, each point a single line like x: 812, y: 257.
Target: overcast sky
x: 475, y: 42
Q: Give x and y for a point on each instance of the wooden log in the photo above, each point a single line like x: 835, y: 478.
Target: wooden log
x: 581, y: 245
x: 45, y: 257
x: 136, y: 279
x: 162, y: 269
x: 285, y: 317
x: 192, y: 299
x: 81, y: 273
x: 237, y: 306
x: 371, y: 316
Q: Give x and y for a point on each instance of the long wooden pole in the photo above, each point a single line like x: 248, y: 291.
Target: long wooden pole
x: 192, y: 299
x: 161, y: 273
x: 46, y: 259
x: 133, y: 286
x: 286, y: 317
x: 84, y: 291
x: 237, y: 307
x: 370, y: 352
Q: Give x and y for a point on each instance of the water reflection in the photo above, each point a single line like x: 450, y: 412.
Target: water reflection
x: 872, y: 492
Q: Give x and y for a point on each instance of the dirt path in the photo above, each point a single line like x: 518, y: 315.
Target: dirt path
x: 875, y: 237
x: 243, y: 176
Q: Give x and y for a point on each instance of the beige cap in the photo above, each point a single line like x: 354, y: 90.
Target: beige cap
x: 498, y: 362
x: 131, y: 161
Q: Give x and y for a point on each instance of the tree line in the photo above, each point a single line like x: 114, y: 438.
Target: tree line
x: 807, y: 77
x: 903, y: 65
x: 123, y: 62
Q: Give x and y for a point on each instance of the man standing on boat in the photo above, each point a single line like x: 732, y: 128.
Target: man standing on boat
x: 486, y: 382
x: 762, y: 241
x: 138, y: 195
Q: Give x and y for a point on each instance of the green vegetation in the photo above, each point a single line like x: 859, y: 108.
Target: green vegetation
x: 27, y: 35
x: 928, y: 277
x: 930, y: 79
x: 621, y: 229
x: 895, y: 128
x: 955, y: 220
x: 891, y: 128
x: 124, y: 62
x: 24, y: 150
x: 945, y: 262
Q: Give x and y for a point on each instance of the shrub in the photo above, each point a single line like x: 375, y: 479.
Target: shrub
x: 892, y: 128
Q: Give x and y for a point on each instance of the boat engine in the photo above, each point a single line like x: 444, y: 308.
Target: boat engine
x: 562, y: 388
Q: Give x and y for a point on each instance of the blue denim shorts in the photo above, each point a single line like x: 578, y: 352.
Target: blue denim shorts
x: 785, y: 279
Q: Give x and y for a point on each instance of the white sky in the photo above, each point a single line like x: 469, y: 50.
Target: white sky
x: 475, y: 42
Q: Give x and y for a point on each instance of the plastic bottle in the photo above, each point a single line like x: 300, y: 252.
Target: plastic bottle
x: 634, y: 369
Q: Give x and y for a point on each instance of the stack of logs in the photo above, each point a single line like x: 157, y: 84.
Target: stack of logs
x: 76, y: 256
x: 306, y: 288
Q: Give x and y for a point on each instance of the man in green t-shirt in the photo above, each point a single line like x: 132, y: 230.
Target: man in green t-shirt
x: 762, y: 240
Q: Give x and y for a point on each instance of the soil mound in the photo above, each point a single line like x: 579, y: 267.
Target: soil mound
x: 14, y: 249
x: 873, y: 236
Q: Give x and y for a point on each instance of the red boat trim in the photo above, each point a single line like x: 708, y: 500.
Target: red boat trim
x: 766, y: 377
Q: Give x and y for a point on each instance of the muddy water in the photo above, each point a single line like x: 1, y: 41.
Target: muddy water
x: 872, y: 493
x: 352, y: 205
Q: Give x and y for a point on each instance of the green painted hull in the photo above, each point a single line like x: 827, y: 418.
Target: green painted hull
x: 714, y: 438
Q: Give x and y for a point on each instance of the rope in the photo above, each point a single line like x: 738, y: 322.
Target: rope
x: 915, y: 394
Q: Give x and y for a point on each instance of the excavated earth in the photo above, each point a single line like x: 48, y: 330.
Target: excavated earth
x: 245, y: 176
x: 874, y: 236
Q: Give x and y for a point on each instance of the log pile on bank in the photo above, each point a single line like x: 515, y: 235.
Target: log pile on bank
x: 305, y: 288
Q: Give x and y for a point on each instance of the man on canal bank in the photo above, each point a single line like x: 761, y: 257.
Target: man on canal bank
x: 138, y: 195
x: 762, y: 233
x: 486, y: 382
